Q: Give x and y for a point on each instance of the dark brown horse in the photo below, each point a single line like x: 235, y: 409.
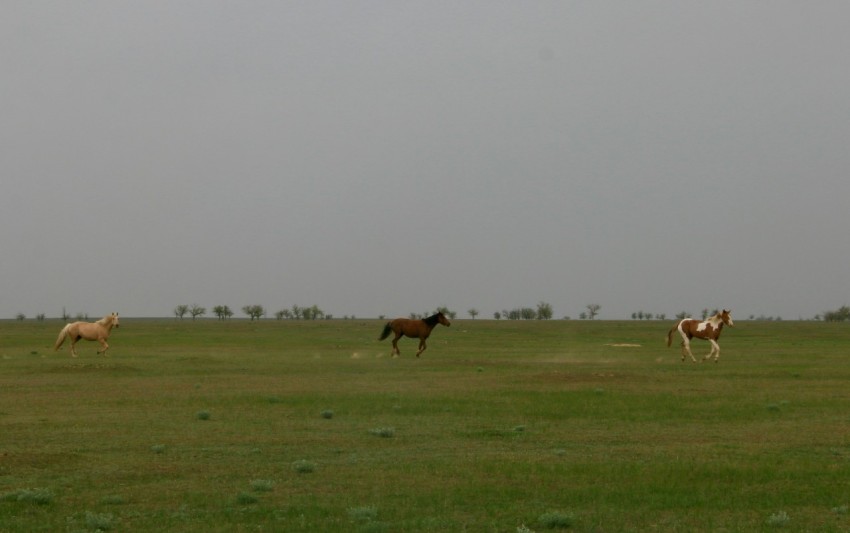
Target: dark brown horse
x: 412, y: 328
x: 708, y: 329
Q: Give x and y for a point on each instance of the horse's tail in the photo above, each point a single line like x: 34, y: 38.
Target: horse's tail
x: 670, y: 334
x: 386, y: 333
x: 62, y: 335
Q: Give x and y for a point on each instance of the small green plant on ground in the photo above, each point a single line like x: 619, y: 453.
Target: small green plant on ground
x: 113, y: 499
x: 262, y: 485
x: 780, y: 519
x: 100, y: 521
x: 383, y: 432
x: 38, y: 496
x: 363, y: 514
x: 303, y: 466
x: 556, y: 520
x: 246, y: 498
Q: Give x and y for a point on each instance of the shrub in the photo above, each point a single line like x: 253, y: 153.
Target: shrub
x: 36, y: 496
x: 303, y: 467
x: 158, y: 448
x: 780, y: 519
x: 555, y: 520
x: 245, y: 498
x: 363, y: 514
x: 203, y: 415
x: 328, y: 414
x: 383, y: 432
x: 262, y: 485
x: 99, y: 521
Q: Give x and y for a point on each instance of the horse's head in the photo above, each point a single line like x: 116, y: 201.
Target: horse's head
x: 726, y: 317
x: 115, y: 320
x: 441, y: 318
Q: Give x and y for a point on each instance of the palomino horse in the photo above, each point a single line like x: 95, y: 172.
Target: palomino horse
x: 708, y: 329
x: 412, y: 328
x: 90, y: 331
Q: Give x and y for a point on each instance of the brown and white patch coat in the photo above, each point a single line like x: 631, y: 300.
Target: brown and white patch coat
x: 708, y: 329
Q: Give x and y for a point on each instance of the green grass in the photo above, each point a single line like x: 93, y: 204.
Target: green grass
x: 499, y: 425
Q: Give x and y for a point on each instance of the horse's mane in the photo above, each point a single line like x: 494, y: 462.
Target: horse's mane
x: 106, y: 320
x: 432, y: 320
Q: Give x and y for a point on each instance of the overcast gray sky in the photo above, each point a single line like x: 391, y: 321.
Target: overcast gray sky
x: 382, y: 158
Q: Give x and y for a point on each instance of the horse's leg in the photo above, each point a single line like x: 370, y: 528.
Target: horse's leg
x: 715, y: 350
x: 686, y: 347
x: 73, y: 343
x: 395, y: 350
x: 422, y: 346
x: 104, y: 344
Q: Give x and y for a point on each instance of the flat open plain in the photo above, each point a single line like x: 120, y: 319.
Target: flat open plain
x: 500, y: 426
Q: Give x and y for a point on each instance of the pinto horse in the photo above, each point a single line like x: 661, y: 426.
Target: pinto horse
x: 412, y: 328
x: 90, y: 331
x: 708, y: 329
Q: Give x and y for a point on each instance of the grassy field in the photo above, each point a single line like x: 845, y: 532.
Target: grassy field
x: 499, y: 426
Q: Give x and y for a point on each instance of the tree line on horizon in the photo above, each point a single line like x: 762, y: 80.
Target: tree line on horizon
x: 543, y: 311
x: 314, y: 312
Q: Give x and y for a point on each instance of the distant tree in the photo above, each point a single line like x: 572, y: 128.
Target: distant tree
x: 682, y: 314
x: 222, y: 312
x: 473, y: 313
x: 254, y: 311
x: 544, y: 311
x: 839, y: 315
x: 445, y: 310
x: 497, y: 315
x: 196, y: 311
x: 704, y: 314
x: 593, y: 310
x: 312, y: 313
x: 181, y: 310
x: 20, y: 316
x: 582, y: 315
x: 40, y: 317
